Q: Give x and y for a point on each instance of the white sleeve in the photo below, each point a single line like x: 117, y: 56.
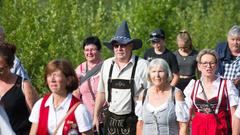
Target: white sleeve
x: 188, y: 92
x: 138, y: 109
x: 182, y: 111
x: 34, y: 116
x: 83, y: 118
x: 5, y: 127
x: 232, y: 93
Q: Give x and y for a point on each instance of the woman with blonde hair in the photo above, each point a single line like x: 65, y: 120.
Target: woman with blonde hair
x: 186, y: 58
x: 212, y: 99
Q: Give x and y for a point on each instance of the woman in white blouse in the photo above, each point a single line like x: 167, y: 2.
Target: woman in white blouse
x: 211, y: 99
x: 52, y: 114
x: 161, y: 107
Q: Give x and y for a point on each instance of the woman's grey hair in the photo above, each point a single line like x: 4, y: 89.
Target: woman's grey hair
x: 206, y: 51
x: 234, y: 31
x: 159, y: 62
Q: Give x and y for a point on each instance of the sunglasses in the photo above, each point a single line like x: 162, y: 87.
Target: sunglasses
x: 120, y: 45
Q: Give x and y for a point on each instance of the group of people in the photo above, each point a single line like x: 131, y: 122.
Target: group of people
x: 165, y: 92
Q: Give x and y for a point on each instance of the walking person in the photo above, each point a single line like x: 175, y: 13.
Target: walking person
x: 229, y: 56
x: 186, y: 58
x: 88, y: 75
x: 60, y: 113
x: 159, y: 50
x: 161, y: 107
x: 17, y: 94
x: 121, y: 79
x: 213, y: 100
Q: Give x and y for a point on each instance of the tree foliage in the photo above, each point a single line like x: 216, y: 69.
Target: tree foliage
x: 47, y: 29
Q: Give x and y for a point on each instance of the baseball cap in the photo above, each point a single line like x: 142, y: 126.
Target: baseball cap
x: 157, y: 34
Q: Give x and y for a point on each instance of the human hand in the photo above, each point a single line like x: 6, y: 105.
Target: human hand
x: 96, y: 123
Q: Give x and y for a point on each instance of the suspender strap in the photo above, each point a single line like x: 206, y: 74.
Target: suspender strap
x: 173, y: 95
x: 110, y: 83
x: 209, y: 106
x: 132, y: 84
x: 144, y: 95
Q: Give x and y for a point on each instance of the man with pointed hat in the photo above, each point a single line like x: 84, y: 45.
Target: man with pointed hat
x: 121, y: 79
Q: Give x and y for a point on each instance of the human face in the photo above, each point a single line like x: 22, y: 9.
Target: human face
x: 122, y: 52
x: 158, y: 45
x: 157, y: 76
x: 182, y: 45
x: 207, y: 65
x: 91, y: 53
x: 57, y: 82
x: 234, y: 44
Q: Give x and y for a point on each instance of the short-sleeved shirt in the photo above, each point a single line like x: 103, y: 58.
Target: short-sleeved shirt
x: 232, y: 92
x: 168, y: 56
x: 83, y: 118
x: 87, y: 97
x: 121, y: 99
x: 187, y: 64
x: 19, y: 69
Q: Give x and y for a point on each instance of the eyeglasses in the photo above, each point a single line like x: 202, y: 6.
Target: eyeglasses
x: 205, y: 64
x: 119, y: 45
x: 90, y: 50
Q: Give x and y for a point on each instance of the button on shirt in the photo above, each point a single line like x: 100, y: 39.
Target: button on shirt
x: 55, y: 115
x: 121, y: 98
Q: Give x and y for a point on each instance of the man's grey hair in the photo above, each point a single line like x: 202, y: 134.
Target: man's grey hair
x: 234, y: 31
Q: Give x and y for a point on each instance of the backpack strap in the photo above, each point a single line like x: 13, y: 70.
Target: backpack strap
x: 144, y: 95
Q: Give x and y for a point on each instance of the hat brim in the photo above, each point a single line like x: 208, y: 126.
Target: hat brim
x: 137, y: 43
x: 155, y: 39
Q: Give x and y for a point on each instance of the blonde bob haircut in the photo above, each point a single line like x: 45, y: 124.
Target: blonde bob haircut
x: 207, y: 51
x: 159, y: 62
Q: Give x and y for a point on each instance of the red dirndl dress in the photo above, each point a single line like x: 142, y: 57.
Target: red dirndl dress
x: 204, y: 122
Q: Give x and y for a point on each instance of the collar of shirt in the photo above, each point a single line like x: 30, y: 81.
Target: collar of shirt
x: 49, y: 101
x: 132, y: 60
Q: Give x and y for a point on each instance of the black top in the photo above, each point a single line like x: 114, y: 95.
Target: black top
x: 187, y: 64
x: 166, y: 55
x: 16, y: 108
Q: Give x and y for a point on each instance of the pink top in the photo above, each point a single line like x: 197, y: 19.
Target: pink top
x: 87, y: 98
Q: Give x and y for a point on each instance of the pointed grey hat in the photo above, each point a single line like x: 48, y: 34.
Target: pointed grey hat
x: 122, y: 36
